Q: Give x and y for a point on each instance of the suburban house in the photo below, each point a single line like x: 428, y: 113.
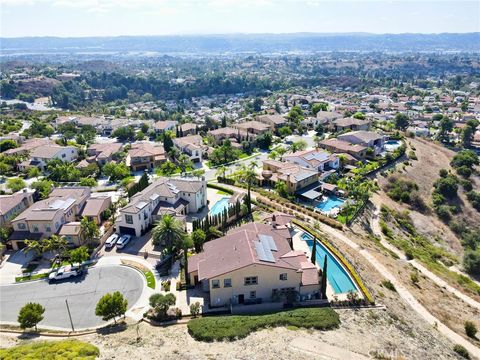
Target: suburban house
x: 187, y: 129
x: 274, y: 121
x: 254, y: 127
x: 72, y: 232
x: 41, y: 155
x: 338, y: 146
x: 316, y: 159
x: 46, y: 217
x: 230, y: 134
x: 296, y: 177
x: 175, y: 196
x: 366, y: 138
x: 323, y: 118
x: 162, y: 126
x: 102, y: 153
x: 191, y: 145
x: 27, y: 146
x: 95, y: 207
x: 145, y: 156
x: 350, y: 124
x: 12, y: 205
x: 253, y: 263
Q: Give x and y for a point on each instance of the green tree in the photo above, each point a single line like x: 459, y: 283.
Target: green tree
x: 471, y: 262
x: 221, y: 171
x: 187, y: 243
x: 111, y: 306
x: 44, y: 187
x: 79, y: 255
x: 247, y: 175
x: 299, y: 145
x: 323, y: 286
x: 161, y: 303
x: 116, y: 171
x: 282, y: 189
x: 123, y: 134
x: 169, y: 232
x: 86, y: 181
x: 30, y: 315
x: 166, y: 169
x: 89, y: 230
x: 33, y: 172
x: 318, y: 107
x: 34, y: 246
x: 401, y: 121
x: 257, y: 104
x: 195, y: 309
x: 198, y: 237
x: 264, y: 140
x: 284, y: 131
x: 359, y: 115
x: 184, y: 163
x: 15, y: 184
x: 55, y: 243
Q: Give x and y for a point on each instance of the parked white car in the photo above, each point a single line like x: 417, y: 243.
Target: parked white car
x: 65, y: 272
x: 111, y: 241
x: 124, y: 239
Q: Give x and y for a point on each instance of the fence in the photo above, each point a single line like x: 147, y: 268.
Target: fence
x: 102, y: 242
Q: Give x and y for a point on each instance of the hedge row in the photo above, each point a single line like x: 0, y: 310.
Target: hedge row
x: 339, y: 256
x: 221, y: 188
x: 217, y: 328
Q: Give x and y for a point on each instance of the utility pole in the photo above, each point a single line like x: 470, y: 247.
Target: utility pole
x: 69, y: 315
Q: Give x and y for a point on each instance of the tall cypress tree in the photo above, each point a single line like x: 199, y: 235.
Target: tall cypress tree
x: 323, y: 287
x: 313, y: 259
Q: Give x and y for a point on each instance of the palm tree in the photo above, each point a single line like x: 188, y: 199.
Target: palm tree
x: 169, y: 232
x: 34, y: 246
x: 88, y: 229
x: 221, y: 171
x: 248, y: 175
x: 184, y: 163
x: 56, y: 244
x: 174, y: 153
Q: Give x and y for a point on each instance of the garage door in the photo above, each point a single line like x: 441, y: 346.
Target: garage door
x: 127, y: 230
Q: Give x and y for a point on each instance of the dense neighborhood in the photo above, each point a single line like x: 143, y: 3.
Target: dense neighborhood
x: 121, y: 207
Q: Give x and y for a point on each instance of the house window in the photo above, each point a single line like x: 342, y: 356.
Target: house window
x: 48, y: 228
x: 35, y: 229
x: 283, y: 276
x: 253, y: 294
x: 21, y: 226
x: 63, y: 155
x: 215, y: 284
x: 129, y: 219
x: 227, y: 282
x: 251, y: 280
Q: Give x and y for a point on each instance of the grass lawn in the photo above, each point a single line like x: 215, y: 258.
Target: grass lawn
x: 221, y: 192
x: 33, y: 277
x: 215, y: 328
x: 150, y: 279
x: 65, y: 350
x: 145, y: 271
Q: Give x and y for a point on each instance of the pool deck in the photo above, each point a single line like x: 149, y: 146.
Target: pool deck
x: 300, y: 244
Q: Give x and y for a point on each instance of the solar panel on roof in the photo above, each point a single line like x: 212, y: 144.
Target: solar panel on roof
x: 264, y: 252
x: 268, y: 240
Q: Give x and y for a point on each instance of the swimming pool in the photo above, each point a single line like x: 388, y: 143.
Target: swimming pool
x: 220, y: 206
x: 330, y: 202
x: 392, y: 145
x: 337, y: 276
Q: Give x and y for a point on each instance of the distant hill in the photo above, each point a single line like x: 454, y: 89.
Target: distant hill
x: 241, y: 43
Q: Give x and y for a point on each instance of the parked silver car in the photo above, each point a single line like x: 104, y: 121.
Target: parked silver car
x: 111, y: 241
x: 123, y: 241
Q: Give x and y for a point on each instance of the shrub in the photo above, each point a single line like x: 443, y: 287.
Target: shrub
x: 217, y: 328
x: 443, y: 212
x: 195, y: 309
x: 414, y: 278
x: 166, y: 285
x: 470, y: 329
x: 388, y: 285
x: 65, y: 350
x: 474, y: 198
x: 466, y: 184
x: 460, y: 350
x: 161, y: 303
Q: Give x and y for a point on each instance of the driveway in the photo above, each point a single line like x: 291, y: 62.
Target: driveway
x: 82, y: 294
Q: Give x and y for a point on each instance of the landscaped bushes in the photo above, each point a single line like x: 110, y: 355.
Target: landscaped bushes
x: 221, y: 188
x: 217, y: 328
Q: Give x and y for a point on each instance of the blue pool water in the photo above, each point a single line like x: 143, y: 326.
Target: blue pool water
x: 391, y: 145
x: 336, y: 274
x: 330, y: 202
x: 219, y: 206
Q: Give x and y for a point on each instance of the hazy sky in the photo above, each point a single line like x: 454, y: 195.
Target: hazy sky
x: 159, y: 17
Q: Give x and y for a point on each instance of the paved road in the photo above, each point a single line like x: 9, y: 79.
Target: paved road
x: 82, y: 294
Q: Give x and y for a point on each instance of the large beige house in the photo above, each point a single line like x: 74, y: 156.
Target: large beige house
x: 145, y: 156
x: 46, y: 217
x: 41, y: 155
x: 175, y: 196
x: 251, y: 264
x: 295, y: 176
x: 12, y: 205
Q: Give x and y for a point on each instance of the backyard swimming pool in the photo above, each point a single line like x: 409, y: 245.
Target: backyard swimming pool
x: 330, y: 202
x: 337, y: 277
x: 220, y: 206
x: 392, y: 145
